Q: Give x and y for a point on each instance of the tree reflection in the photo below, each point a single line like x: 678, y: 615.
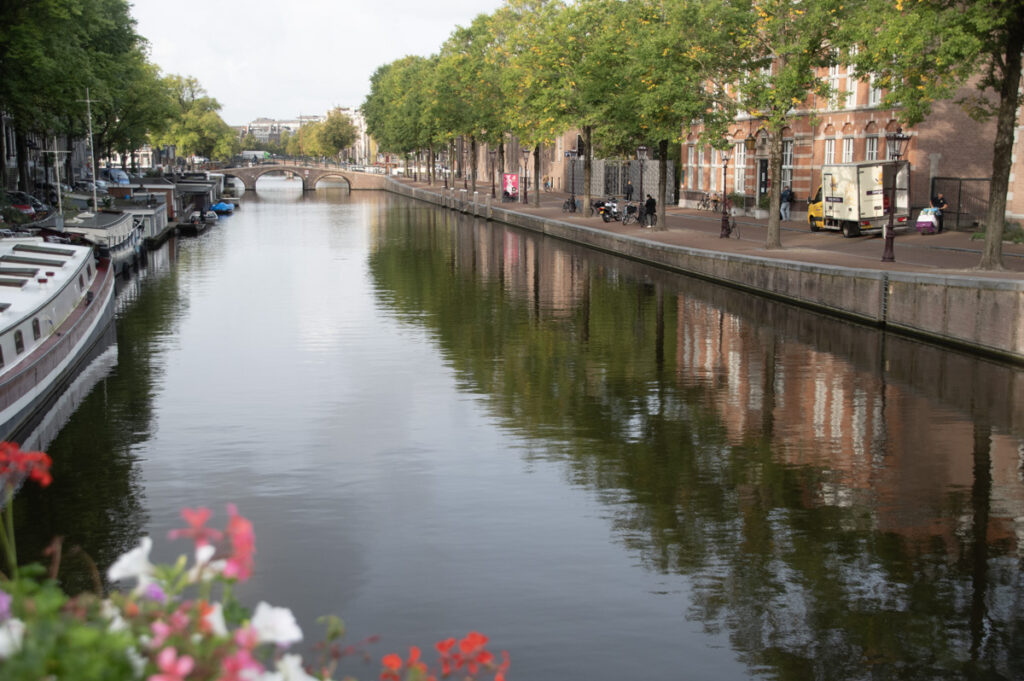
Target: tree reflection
x: 825, y: 510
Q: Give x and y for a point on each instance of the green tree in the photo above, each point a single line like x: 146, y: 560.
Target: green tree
x: 197, y: 128
x: 922, y: 52
x: 338, y: 133
x: 781, y: 47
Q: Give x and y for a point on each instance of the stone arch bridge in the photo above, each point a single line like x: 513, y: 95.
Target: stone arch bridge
x: 310, y: 175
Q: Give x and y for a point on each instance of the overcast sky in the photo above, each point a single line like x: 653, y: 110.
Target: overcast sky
x: 283, y: 58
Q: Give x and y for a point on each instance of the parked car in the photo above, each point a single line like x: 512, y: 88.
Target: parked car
x: 24, y: 198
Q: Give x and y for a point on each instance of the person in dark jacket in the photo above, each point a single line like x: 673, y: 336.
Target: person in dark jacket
x: 940, y: 206
x: 650, y: 207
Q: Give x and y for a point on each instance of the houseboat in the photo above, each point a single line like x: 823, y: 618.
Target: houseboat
x: 115, y: 234
x: 56, y: 302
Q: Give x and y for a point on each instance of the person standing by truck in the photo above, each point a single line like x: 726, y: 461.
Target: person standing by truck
x: 787, y: 199
x: 940, y: 205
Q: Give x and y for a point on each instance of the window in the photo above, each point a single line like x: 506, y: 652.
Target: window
x: 713, y: 184
x: 1, y: 357
x: 847, y: 150
x: 700, y: 168
x: 851, y: 92
x: 833, y: 84
x: 36, y: 333
x: 19, y: 342
x: 689, y: 164
x: 874, y: 93
x: 830, y: 151
x: 787, y: 163
x: 740, y: 169
x: 81, y: 281
x: 871, y: 150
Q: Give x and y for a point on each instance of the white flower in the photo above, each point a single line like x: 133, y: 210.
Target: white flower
x: 215, y: 620
x: 289, y: 668
x: 110, y: 611
x: 205, y: 569
x: 134, y: 565
x: 11, y: 633
x: 275, y: 625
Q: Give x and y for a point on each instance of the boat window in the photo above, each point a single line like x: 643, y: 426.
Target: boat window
x: 81, y: 281
x: 1, y: 357
x: 19, y: 342
x: 88, y: 271
x: 35, y: 329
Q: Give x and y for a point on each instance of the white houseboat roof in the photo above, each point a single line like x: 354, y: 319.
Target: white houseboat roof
x: 31, y: 272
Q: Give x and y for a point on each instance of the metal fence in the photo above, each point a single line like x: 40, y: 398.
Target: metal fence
x: 609, y: 177
x: 967, y: 199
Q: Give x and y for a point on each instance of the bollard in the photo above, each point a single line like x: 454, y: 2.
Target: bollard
x: 476, y: 204
x: 490, y: 207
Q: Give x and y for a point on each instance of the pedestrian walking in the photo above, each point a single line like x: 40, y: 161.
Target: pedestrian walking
x: 787, y: 199
x: 650, y: 206
x: 940, y: 206
x: 629, y: 190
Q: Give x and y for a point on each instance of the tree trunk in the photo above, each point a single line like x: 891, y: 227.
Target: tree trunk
x: 536, y: 176
x: 773, y: 237
x: 3, y: 154
x: 588, y: 210
x: 21, y: 140
x: 1002, y: 153
x: 662, y: 182
x: 472, y: 160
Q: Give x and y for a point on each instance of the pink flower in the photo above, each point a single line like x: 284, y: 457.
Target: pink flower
x: 239, y: 667
x: 243, y: 546
x: 197, y: 530
x: 172, y: 667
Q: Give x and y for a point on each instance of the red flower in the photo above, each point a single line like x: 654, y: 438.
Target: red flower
x: 392, y: 664
x: 15, y: 465
x: 196, y: 519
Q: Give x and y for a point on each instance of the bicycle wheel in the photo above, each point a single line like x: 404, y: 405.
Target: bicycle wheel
x: 565, y: 206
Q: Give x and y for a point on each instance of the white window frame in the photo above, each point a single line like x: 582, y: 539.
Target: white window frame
x: 715, y: 165
x: 874, y: 92
x: 871, y: 148
x: 689, y: 166
x: 830, y: 150
x: 833, y: 84
x: 787, y: 163
x: 739, y: 171
x: 847, y: 150
x: 700, y: 168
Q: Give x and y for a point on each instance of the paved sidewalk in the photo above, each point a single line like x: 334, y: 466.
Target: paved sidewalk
x: 951, y: 252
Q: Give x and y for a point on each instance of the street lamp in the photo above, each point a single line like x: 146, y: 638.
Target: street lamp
x: 641, y: 153
x: 526, y: 171
x: 726, y: 229
x: 490, y: 157
x: 897, y: 145
x: 571, y: 154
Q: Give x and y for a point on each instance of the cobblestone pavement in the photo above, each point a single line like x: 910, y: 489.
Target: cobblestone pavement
x: 949, y: 253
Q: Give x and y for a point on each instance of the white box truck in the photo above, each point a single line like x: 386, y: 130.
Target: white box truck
x: 854, y: 198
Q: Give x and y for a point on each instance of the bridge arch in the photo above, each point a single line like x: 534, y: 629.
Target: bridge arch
x: 310, y: 176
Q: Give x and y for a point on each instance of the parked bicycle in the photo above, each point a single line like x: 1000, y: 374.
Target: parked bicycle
x: 631, y: 213
x: 704, y: 203
x: 570, y: 205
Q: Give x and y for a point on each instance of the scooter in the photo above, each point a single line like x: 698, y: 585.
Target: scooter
x: 609, y: 209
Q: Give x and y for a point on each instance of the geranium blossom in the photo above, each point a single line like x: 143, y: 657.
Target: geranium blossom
x: 289, y: 668
x: 196, y: 530
x: 172, y: 667
x: 15, y: 465
x: 275, y: 625
x: 243, y: 545
x: 12, y: 632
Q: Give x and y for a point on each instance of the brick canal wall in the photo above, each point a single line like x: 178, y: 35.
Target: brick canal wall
x: 973, y: 313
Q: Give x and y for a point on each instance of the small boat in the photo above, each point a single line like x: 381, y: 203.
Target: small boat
x: 56, y: 302
x: 210, y: 216
x: 195, y: 225
x: 223, y: 208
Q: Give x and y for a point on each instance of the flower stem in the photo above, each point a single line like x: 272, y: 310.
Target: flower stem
x: 7, y: 529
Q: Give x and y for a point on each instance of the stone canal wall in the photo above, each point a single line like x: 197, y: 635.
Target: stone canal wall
x: 974, y: 313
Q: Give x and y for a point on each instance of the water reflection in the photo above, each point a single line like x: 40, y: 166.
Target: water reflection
x: 848, y: 503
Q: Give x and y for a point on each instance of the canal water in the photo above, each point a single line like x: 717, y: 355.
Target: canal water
x: 438, y: 425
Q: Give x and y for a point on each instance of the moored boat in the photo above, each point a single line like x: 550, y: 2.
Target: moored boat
x: 56, y: 301
x: 115, y: 234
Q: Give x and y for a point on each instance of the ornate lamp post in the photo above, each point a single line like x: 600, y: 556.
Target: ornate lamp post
x: 724, y: 232
x: 897, y: 144
x: 571, y: 154
x: 526, y: 172
x: 641, y: 154
x: 491, y: 155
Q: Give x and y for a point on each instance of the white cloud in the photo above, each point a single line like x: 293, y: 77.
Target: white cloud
x: 285, y: 58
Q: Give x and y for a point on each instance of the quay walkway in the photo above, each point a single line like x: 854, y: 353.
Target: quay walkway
x: 931, y: 291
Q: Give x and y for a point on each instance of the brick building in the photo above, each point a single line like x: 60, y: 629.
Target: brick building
x: 948, y: 152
